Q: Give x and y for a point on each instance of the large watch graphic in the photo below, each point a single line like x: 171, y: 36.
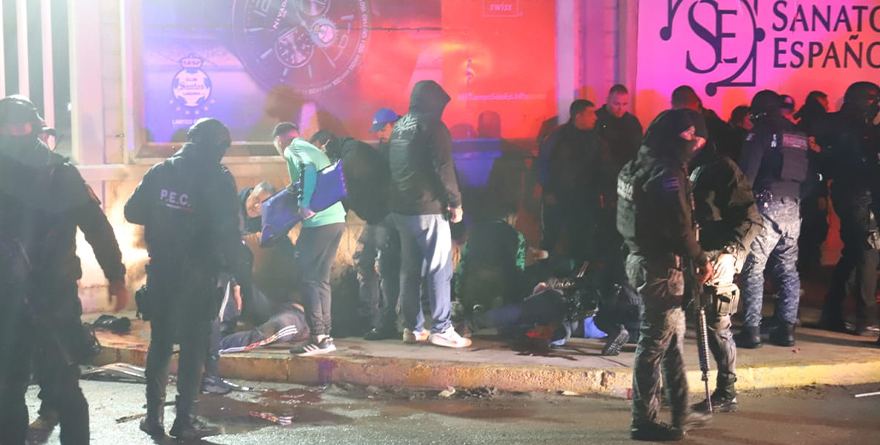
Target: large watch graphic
x: 309, y: 45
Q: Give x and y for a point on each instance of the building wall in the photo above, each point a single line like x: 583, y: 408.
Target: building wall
x: 592, y: 55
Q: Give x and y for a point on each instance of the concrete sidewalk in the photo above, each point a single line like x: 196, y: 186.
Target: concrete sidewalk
x: 820, y: 357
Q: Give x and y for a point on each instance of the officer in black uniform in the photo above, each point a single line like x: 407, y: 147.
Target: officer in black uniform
x: 850, y: 144
x: 188, y: 207
x: 774, y: 159
x: 725, y: 211
x: 654, y: 217
x: 43, y: 200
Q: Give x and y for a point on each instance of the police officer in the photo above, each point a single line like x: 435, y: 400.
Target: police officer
x: 188, y: 207
x: 43, y: 200
x: 725, y: 211
x: 774, y: 160
x: 849, y: 142
x: 654, y: 218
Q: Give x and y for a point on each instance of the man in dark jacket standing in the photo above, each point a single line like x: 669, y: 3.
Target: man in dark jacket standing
x: 654, y: 217
x: 618, y: 128
x: 849, y: 142
x: 571, y: 185
x: 774, y: 159
x: 379, y: 243
x: 189, y: 209
x: 424, y: 199
x: 43, y: 200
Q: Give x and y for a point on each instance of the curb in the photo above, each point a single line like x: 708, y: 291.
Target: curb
x: 441, y: 374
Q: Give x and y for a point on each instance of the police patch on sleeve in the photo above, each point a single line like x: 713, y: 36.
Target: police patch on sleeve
x: 797, y: 141
x: 670, y: 184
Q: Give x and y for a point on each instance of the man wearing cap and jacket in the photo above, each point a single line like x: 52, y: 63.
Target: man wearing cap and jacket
x: 39, y: 270
x: 379, y: 292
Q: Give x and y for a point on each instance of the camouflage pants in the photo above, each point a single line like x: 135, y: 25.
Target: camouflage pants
x: 777, y: 247
x: 723, y: 348
x: 660, y: 282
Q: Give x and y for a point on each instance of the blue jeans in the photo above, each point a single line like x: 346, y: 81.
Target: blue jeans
x: 778, y: 242
x: 425, y: 251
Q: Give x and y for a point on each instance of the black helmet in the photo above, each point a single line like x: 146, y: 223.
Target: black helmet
x: 210, y: 132
x: 765, y: 101
x: 18, y: 110
x: 862, y: 96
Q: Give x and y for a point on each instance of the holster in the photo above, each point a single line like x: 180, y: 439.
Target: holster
x: 724, y: 298
x: 143, y: 301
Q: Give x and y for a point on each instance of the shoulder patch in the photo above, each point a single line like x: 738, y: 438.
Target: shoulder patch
x: 670, y: 184
x: 794, y: 140
x: 750, y: 136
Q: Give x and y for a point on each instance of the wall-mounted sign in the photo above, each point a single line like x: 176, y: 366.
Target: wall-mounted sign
x: 330, y: 64
x: 730, y: 49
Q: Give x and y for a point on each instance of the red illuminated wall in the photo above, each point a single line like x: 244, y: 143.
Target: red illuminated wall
x: 500, y: 55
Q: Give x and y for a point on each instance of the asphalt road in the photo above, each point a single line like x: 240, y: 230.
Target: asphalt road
x: 354, y: 415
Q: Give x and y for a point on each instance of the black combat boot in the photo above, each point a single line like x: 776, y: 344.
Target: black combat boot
x: 749, y: 337
x: 154, y: 423
x: 190, y: 427
x: 655, y: 432
x: 615, y: 341
x: 783, y: 335
x: 723, y: 399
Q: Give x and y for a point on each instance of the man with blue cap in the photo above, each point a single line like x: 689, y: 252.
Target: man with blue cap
x: 379, y: 292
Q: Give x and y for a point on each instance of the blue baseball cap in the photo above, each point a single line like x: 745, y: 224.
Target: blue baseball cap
x: 382, y: 117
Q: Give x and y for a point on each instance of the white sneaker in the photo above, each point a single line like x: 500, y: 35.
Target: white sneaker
x: 449, y: 339
x: 410, y: 336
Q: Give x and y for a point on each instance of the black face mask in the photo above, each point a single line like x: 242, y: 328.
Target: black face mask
x: 21, y: 148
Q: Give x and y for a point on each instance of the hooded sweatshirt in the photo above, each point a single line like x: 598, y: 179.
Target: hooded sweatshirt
x: 423, y: 178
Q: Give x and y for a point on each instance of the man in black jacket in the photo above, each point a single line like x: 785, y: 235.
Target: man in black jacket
x: 619, y: 129
x: 572, y: 184
x: 654, y: 217
x: 188, y: 207
x: 39, y: 270
x: 424, y: 199
x: 379, y: 243
x: 849, y: 142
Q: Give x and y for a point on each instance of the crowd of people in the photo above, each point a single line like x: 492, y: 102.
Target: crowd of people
x: 637, y: 229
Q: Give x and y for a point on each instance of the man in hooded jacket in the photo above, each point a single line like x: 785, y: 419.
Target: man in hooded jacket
x: 39, y: 270
x: 189, y: 209
x: 424, y: 199
x: 654, y: 217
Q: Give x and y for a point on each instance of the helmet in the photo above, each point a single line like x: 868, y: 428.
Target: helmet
x: 17, y: 110
x: 862, y: 96
x: 210, y: 133
x: 765, y: 101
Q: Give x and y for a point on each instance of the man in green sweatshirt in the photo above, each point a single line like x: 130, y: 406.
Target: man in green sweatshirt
x: 316, y: 245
